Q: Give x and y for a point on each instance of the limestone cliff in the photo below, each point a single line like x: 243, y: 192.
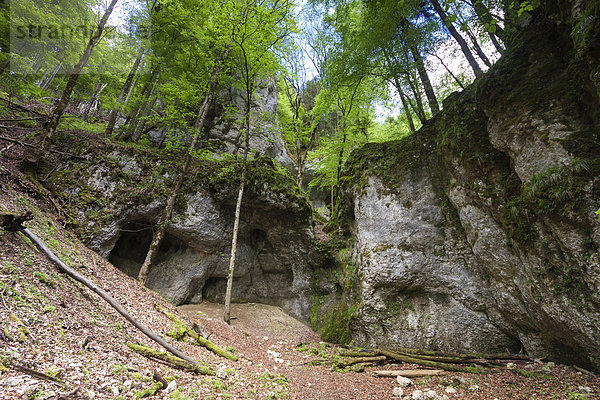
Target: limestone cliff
x: 478, y: 232
x: 115, y: 194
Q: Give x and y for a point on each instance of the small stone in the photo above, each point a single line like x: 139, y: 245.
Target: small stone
x: 127, y: 384
x: 474, y: 388
x: 221, y: 373
x: 398, y: 392
x: 171, y: 387
x: 451, y: 390
x: 417, y: 395
x: 431, y: 394
x: 403, y: 381
x: 114, y: 390
x: 91, y: 394
x: 586, y: 389
x: 511, y: 365
x: 274, y: 354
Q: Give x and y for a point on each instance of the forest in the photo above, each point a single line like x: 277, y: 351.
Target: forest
x: 346, y: 73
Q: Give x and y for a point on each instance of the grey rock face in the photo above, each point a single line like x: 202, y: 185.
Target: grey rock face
x: 419, y: 284
x: 275, y: 244
x: 478, y: 233
x: 265, y: 138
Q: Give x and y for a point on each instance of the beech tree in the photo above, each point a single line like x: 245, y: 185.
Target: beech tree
x: 263, y: 27
x: 61, y: 104
x: 217, y: 61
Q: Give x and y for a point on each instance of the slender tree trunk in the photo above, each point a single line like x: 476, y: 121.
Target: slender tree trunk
x: 433, y: 103
x: 418, y: 107
x: 236, y: 224
x: 459, y: 39
x: 47, y: 83
x: 138, y: 128
x: 112, y: 118
x: 406, y: 108
x: 478, y: 49
x: 145, y: 93
x: 496, y: 44
x: 62, y: 103
x: 449, y: 71
x: 95, y: 94
x: 168, y: 210
x: 238, y: 207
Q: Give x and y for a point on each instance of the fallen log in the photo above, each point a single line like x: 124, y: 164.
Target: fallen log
x: 465, y: 356
x: 409, y: 373
x: 61, y: 266
x: 428, y: 363
x: 198, y: 338
x: 345, y: 362
x: 171, y: 359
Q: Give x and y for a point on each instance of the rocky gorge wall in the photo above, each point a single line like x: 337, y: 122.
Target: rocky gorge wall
x: 478, y: 232
x: 114, y: 196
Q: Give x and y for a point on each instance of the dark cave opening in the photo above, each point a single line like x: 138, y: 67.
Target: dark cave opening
x: 131, y: 247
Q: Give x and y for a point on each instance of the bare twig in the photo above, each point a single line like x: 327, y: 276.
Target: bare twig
x: 2, y: 296
x: 19, y: 367
x: 24, y: 144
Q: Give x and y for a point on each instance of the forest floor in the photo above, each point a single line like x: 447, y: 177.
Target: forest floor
x: 55, y: 326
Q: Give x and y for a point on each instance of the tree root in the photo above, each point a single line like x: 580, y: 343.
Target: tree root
x: 201, y: 341
x: 171, y: 359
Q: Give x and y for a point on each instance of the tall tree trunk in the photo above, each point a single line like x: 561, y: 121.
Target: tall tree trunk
x: 433, y: 103
x: 145, y: 93
x: 449, y: 71
x: 236, y: 223
x: 112, y: 118
x: 61, y: 105
x: 478, y: 49
x: 168, y: 210
x: 250, y: 79
x: 459, y: 39
x: 95, y: 95
x: 406, y: 108
x: 138, y: 128
x: 47, y: 83
x: 418, y: 107
x: 496, y: 44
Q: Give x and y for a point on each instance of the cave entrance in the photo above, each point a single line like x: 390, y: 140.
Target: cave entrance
x: 131, y: 247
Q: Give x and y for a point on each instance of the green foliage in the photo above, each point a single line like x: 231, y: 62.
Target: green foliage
x: 44, y: 278
x: 151, y: 391
x: 336, y: 324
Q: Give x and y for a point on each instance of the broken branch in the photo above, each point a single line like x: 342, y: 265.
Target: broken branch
x: 171, y: 359
x: 198, y: 338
